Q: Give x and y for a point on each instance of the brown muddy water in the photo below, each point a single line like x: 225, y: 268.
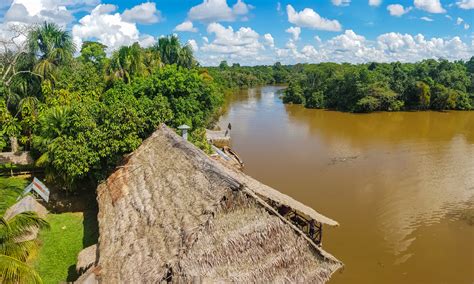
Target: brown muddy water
x: 401, y: 185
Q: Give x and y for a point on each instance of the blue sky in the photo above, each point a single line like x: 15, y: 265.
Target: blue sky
x: 263, y: 32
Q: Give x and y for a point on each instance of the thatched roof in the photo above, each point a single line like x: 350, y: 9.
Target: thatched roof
x: 86, y: 258
x: 172, y: 213
x: 26, y: 204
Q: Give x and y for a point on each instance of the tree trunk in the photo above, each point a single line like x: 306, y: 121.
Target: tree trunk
x: 14, y: 144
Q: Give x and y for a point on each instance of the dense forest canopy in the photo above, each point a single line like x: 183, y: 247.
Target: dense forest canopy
x: 80, y: 111
x: 429, y: 84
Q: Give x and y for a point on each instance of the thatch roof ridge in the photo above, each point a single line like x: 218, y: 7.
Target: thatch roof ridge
x: 251, y: 183
x: 251, y: 186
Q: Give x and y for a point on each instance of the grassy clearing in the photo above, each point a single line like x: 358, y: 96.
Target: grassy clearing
x: 69, y: 234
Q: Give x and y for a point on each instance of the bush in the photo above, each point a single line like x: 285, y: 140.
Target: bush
x: 315, y: 100
x: 293, y: 94
x: 463, y: 102
x: 367, y: 104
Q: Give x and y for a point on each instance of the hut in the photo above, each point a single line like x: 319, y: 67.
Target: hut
x: 172, y: 214
x: 27, y: 204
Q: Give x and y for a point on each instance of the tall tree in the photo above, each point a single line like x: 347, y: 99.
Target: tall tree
x: 172, y: 52
x: 52, y: 46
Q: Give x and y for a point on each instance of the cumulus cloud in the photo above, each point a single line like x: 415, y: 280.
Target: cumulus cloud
x: 341, y: 2
x: 186, y: 26
x: 268, y: 40
x: 219, y: 11
x: 426, y: 19
x: 397, y: 10
x: 375, y: 3
x: 109, y: 28
x: 295, y: 32
x: 243, y: 42
x: 145, y: 13
x: 389, y: 47
x: 431, y: 6
x: 193, y: 45
x: 466, y: 4
x: 308, y: 18
x: 32, y: 12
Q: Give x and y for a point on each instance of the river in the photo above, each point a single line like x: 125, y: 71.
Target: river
x: 400, y: 184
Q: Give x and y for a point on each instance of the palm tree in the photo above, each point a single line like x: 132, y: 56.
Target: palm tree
x: 16, y: 248
x: 52, y: 46
x: 171, y: 52
x: 127, y: 62
x: 186, y: 57
x: 16, y: 245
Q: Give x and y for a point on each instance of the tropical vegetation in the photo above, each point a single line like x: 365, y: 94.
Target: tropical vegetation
x: 79, y: 113
x: 16, y: 245
x: 426, y: 85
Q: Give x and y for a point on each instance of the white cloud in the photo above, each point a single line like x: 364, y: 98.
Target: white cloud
x: 218, y: 10
x: 375, y: 3
x: 460, y: 21
x: 145, y: 13
x: 466, y: 4
x: 350, y: 47
x: 431, y: 6
x: 308, y: 18
x: 37, y: 11
x: 341, y: 2
x: 317, y: 39
x: 186, y: 26
x: 309, y: 51
x: 426, y: 19
x: 348, y: 41
x: 278, y: 6
x: 146, y: 40
x: 244, y: 42
x: 295, y: 32
x: 268, y: 40
x: 193, y: 45
x: 110, y: 29
x: 397, y: 10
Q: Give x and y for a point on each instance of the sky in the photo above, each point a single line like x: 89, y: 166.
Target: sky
x: 256, y: 32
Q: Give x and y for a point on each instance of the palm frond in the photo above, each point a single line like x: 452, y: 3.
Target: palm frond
x: 20, y: 226
x: 14, y: 271
x: 20, y: 250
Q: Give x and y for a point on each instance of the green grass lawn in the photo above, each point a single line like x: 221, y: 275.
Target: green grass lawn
x: 69, y: 234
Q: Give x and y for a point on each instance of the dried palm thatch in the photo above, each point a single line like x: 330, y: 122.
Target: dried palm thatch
x: 171, y: 213
x: 26, y: 204
x: 219, y: 138
x: 86, y: 258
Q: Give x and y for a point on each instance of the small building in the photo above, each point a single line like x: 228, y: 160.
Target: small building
x: 172, y: 214
x: 27, y: 204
